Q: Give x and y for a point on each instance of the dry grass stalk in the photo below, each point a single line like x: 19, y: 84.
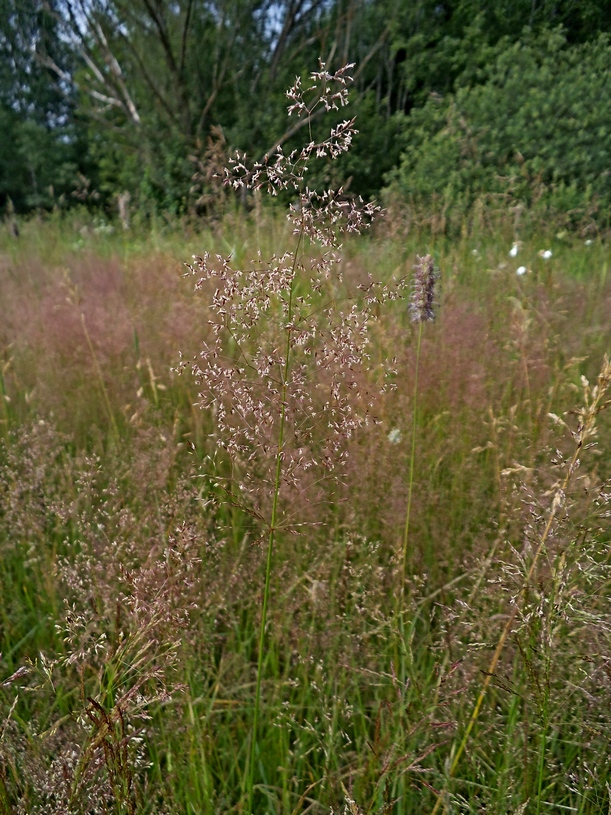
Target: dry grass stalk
x: 594, y: 402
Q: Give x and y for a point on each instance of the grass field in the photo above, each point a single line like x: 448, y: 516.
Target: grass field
x: 451, y: 657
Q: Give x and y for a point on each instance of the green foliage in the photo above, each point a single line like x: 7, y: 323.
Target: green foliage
x: 40, y: 134
x: 534, y: 131
x: 109, y: 97
x: 39, y: 165
x: 376, y: 149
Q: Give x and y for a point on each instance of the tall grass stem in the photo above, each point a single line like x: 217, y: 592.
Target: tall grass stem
x: 271, y: 539
x: 585, y: 429
x: 410, y: 490
x: 98, y: 370
x: 412, y: 463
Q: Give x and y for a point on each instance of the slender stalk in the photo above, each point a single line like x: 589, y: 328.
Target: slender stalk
x: 98, y: 371
x: 586, y: 428
x: 4, y: 399
x: 505, y: 634
x: 545, y: 716
x: 421, y: 309
x: 271, y: 541
x: 412, y: 461
x: 541, y: 768
x: 408, y: 511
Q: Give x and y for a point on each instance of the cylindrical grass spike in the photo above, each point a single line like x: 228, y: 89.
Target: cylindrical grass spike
x: 421, y: 307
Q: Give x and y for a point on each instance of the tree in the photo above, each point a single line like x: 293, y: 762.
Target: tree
x: 37, y: 126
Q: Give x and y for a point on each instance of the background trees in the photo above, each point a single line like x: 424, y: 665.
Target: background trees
x: 533, y: 131
x: 43, y: 141
x: 109, y: 96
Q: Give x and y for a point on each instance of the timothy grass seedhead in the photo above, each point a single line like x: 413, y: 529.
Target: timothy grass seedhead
x: 422, y: 302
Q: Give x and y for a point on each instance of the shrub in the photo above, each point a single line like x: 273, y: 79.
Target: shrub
x: 535, y: 133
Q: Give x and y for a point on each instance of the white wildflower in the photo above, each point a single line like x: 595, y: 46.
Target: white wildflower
x: 394, y: 437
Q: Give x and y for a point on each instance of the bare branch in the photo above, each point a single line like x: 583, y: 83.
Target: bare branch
x: 78, y: 24
x: 117, y: 73
x: 185, y: 30
x: 290, y: 19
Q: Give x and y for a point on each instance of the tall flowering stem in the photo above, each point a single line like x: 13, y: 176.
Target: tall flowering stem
x: 281, y: 370
x: 270, y: 543
x: 595, y: 401
x: 421, y: 310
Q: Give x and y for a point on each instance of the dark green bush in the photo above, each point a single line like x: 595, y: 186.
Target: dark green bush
x: 536, y: 131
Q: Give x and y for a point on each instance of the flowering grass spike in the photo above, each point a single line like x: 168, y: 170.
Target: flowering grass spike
x: 421, y: 307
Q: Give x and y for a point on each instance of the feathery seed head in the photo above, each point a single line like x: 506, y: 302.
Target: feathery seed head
x: 423, y: 292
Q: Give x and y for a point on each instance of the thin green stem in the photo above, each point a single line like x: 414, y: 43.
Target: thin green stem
x: 489, y: 674
x: 541, y: 767
x: 271, y: 539
x: 4, y: 399
x: 545, y: 713
x: 410, y: 490
x: 98, y: 370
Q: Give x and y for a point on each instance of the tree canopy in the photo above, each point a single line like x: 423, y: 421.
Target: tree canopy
x: 456, y: 99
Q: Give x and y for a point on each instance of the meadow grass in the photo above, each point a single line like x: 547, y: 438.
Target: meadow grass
x: 132, y: 576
